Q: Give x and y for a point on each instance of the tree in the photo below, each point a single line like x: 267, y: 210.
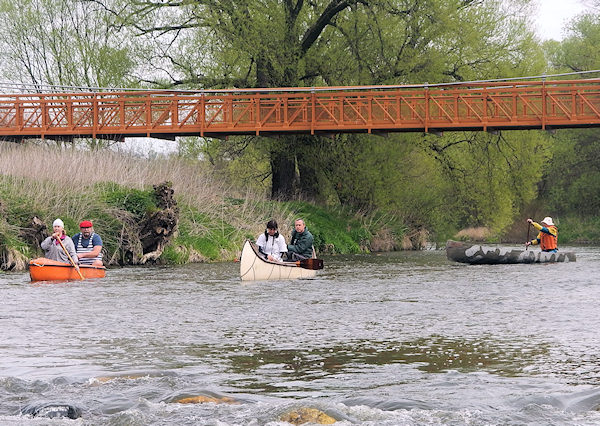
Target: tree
x: 275, y: 43
x: 579, y: 50
x: 571, y: 184
x: 64, y: 43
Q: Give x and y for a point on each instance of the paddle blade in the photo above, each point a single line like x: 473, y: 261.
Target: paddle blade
x: 310, y: 263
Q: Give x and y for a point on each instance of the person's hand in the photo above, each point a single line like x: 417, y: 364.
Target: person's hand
x: 56, y: 235
x: 528, y: 243
x: 529, y: 221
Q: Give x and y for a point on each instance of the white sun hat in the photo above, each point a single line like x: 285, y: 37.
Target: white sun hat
x: 58, y: 222
x: 548, y: 221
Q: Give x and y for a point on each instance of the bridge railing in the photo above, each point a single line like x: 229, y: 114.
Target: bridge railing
x: 482, y: 106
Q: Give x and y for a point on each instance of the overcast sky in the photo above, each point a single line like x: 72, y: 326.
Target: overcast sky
x: 554, y: 14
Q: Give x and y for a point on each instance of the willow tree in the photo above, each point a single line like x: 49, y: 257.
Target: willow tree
x: 571, y: 185
x: 62, y: 42
x: 276, y: 43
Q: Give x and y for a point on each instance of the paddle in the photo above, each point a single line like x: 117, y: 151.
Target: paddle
x: 70, y: 259
x: 528, y: 228
x: 310, y: 263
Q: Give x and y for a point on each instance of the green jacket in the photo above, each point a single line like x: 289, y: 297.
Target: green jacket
x: 301, y: 243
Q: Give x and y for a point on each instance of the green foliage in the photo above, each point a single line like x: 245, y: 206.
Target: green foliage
x: 571, y: 183
x: 243, y: 160
x: 138, y: 202
x: 201, y: 237
x: 9, y: 240
x: 491, y: 178
x: 578, y: 229
x: 64, y: 42
x: 334, y: 231
x: 579, y: 50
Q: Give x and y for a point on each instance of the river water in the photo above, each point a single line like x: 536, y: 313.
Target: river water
x: 406, y: 338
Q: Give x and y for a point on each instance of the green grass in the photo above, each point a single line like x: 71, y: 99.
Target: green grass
x: 199, y: 234
x: 577, y: 230
x: 139, y: 202
x: 335, y: 231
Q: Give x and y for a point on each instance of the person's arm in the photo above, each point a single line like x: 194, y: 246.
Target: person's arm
x: 282, y: 244
x: 94, y: 253
x: 68, y: 242
x: 301, y: 245
x: 544, y: 229
x: 97, y: 248
x: 45, y: 245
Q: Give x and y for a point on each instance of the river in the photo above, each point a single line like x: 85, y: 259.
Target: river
x: 405, y: 338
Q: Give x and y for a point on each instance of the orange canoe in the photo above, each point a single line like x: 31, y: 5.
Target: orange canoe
x: 42, y: 269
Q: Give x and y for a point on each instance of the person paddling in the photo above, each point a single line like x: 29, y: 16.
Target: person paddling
x: 547, y: 238
x: 52, y: 245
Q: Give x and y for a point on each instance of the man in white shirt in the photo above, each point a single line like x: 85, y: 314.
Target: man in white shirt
x: 271, y: 244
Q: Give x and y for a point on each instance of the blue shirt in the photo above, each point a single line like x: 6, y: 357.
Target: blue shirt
x: 96, y: 240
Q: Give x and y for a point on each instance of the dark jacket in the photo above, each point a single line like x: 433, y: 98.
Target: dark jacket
x: 301, y: 243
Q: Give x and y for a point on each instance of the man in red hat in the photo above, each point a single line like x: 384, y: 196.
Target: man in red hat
x: 88, y: 245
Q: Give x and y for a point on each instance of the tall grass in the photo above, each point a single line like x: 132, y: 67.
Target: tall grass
x: 73, y: 169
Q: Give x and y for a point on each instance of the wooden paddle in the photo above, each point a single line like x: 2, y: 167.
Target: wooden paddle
x: 528, y: 228
x: 70, y: 258
x: 310, y: 263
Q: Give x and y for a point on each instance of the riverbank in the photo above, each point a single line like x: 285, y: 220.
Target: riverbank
x: 160, y: 210
x: 172, y: 211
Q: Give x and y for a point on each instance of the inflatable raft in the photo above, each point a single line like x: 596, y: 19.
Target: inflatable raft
x: 42, y: 269
x: 254, y: 266
x: 480, y: 255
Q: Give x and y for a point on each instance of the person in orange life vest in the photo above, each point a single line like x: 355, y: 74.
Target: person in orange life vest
x: 52, y: 248
x: 88, y: 245
x: 547, y: 238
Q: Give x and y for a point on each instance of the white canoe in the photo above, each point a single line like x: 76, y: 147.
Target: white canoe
x: 476, y: 254
x: 254, y: 267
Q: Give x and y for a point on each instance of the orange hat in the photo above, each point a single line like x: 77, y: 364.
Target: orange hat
x: 86, y: 224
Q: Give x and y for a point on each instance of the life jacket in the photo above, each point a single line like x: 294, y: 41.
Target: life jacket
x: 549, y: 241
x: 81, y: 249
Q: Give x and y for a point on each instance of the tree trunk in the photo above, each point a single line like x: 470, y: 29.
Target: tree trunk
x: 283, y: 171
x: 294, y: 168
x: 308, y: 167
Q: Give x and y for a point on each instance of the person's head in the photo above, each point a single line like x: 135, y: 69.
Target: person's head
x: 299, y: 225
x: 547, y: 221
x: 86, y: 227
x: 272, y: 227
x: 58, y: 226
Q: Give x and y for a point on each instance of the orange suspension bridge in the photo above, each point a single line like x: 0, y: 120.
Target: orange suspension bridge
x: 480, y: 106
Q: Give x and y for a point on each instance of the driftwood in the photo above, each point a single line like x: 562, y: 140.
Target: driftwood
x: 35, y: 232
x: 157, y: 229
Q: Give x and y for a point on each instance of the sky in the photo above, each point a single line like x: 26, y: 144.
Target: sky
x: 554, y: 14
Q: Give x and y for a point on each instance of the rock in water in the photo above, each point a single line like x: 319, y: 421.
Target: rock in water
x: 53, y: 410
x: 307, y: 415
